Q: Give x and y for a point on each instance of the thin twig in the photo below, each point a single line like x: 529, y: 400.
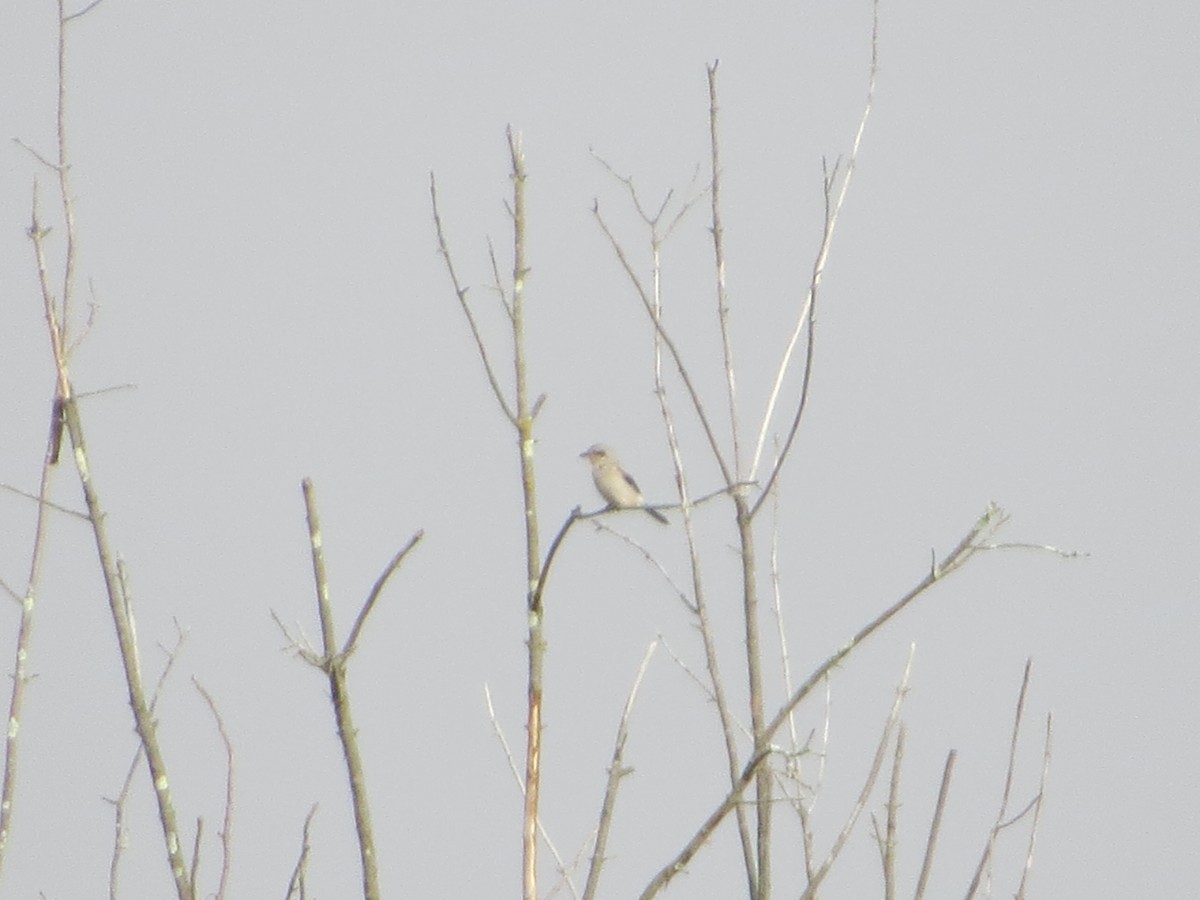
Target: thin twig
x: 831, y: 219
x: 78, y: 340
x: 227, y: 821
x: 658, y: 234
x: 516, y: 773
x: 376, y: 590
x: 691, y: 504
x: 616, y: 771
x: 936, y: 825
x: 1037, y: 811
x: 36, y: 154
x: 1006, y: 795
x: 461, y: 293
x: 99, y: 392
x: 717, y: 230
x: 119, y: 835
x: 785, y: 656
x: 535, y: 601
x: 1041, y: 548
x: 888, y: 847
x: 650, y: 558
x: 814, y: 885
x: 302, y: 646
x: 296, y: 884
x: 648, y: 304
x: 193, y: 876
x: 83, y: 12
x: 498, y: 284
x: 45, y: 504
x: 21, y: 647
x: 710, y: 695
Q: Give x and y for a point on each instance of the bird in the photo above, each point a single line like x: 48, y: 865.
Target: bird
x: 616, y: 485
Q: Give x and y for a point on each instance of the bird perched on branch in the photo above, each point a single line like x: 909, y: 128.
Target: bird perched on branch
x: 616, y: 485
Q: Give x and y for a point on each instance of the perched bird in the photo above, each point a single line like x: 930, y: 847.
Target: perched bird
x: 616, y: 485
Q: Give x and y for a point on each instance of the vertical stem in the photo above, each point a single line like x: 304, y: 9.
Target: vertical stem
x: 20, y: 659
x: 64, y: 168
x: 536, y: 642
x: 358, y: 787
x: 728, y: 727
x: 142, y: 714
x: 763, y: 783
x: 761, y: 876
x: 333, y: 662
x: 718, y: 235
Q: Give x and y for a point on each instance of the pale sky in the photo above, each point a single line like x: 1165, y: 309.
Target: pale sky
x: 1009, y: 314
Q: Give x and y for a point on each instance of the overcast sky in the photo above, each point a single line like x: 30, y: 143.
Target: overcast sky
x: 1009, y: 314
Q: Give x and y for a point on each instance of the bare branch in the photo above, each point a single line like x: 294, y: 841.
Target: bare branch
x: 691, y: 504
x: 616, y: 771
x: 654, y: 306
x: 122, y: 797
x: 461, y: 293
x: 333, y: 664
x: 785, y: 656
x: 726, y: 473
x: 53, y: 167
x: 535, y: 600
x: 296, y: 886
x: 516, y: 773
x: 806, y: 311
x: 227, y: 822
x: 888, y: 844
x: 1041, y: 548
x: 301, y: 645
x: 47, y: 504
x: 718, y: 237
x: 498, y: 282
x: 965, y: 549
x: 1037, y: 810
x: 316, y: 543
x: 657, y: 236
x: 936, y: 825
x: 83, y: 12
x: 536, y: 642
x: 710, y: 695
x: 119, y: 609
x: 93, y: 306
x: 125, y: 386
x: 21, y: 647
x: 352, y: 641
x: 676, y: 589
x: 192, y: 876
x: 634, y: 196
x: 868, y: 785
x: 1002, y: 820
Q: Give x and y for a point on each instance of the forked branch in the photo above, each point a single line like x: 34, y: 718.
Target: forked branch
x: 833, y: 209
x: 332, y: 661
x: 983, y: 530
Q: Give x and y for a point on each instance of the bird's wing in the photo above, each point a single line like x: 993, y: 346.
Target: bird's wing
x: 629, y: 480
